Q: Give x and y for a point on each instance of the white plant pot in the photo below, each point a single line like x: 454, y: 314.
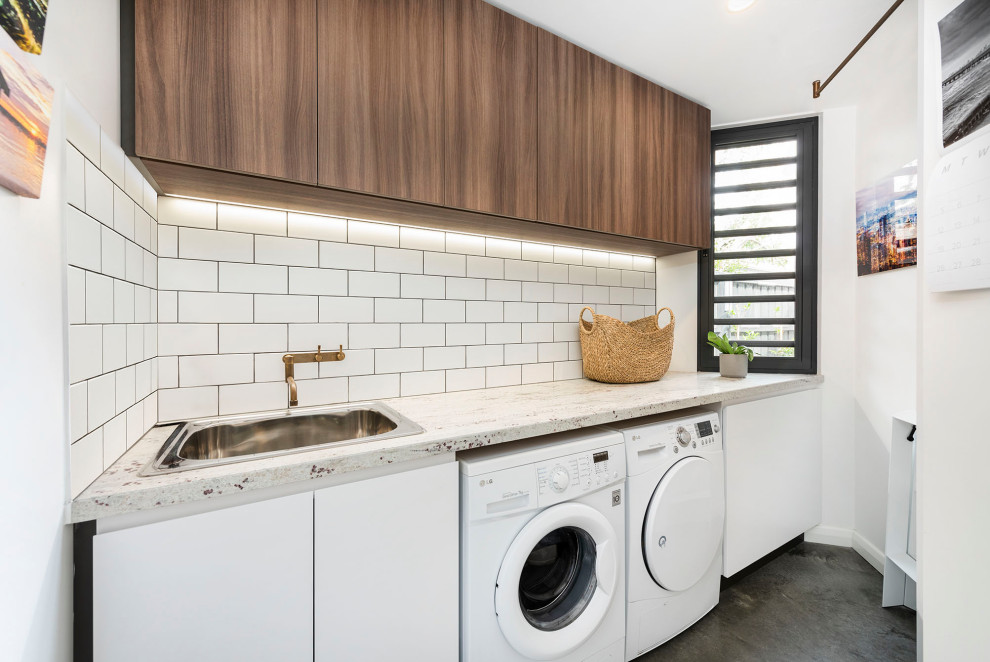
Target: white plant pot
x: 733, y: 365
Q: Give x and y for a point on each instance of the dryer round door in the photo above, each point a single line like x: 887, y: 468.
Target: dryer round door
x: 557, y: 581
x: 682, y: 531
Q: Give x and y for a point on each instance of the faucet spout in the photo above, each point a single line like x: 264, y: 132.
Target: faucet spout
x: 293, y: 393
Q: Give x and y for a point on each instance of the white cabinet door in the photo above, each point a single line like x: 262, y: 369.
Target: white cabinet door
x: 233, y: 584
x: 773, y: 474
x: 387, y: 568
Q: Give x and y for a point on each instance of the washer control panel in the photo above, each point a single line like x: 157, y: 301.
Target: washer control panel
x: 566, y: 477
x: 659, y: 440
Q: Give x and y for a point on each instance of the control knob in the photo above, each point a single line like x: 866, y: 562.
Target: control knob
x: 559, y: 479
x: 683, y: 436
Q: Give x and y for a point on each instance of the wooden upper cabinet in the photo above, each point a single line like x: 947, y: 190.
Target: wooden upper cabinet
x: 381, y: 97
x: 685, y: 198
x: 227, y: 84
x: 586, y: 155
x: 490, y: 106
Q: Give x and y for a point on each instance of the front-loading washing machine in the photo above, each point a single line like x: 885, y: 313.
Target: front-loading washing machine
x: 676, y: 511
x: 543, y: 549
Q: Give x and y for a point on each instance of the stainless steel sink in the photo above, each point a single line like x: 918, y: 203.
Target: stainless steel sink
x: 215, y: 441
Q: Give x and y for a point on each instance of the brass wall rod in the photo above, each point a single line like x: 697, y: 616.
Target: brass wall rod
x: 817, y: 86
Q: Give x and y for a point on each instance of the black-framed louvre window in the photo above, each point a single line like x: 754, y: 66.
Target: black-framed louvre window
x: 758, y: 282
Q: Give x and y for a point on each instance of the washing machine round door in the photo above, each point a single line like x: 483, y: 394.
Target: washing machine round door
x: 557, y: 581
x: 682, y: 531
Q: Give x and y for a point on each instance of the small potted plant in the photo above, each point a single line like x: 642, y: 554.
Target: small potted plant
x: 732, y: 362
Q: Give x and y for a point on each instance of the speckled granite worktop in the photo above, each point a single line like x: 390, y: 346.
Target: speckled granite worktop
x: 451, y: 422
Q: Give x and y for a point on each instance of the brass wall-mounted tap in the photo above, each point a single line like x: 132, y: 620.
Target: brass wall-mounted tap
x: 290, y: 360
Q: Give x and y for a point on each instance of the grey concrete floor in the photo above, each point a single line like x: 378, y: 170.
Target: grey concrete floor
x: 814, y: 603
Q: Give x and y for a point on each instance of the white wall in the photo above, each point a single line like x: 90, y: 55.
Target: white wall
x: 35, y: 553
x: 953, y: 453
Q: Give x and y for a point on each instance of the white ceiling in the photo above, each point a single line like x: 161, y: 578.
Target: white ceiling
x: 751, y: 65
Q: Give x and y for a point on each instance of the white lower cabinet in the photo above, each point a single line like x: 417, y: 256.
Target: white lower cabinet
x: 387, y: 568
x: 233, y: 584
x: 773, y: 474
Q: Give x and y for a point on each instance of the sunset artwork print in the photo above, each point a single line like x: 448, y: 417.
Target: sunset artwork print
x: 887, y: 223
x: 25, y: 113
x: 24, y: 21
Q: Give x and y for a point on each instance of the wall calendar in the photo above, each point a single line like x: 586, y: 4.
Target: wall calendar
x: 957, y: 219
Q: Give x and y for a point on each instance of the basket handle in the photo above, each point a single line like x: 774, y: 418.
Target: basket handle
x: 584, y: 324
x: 671, y: 312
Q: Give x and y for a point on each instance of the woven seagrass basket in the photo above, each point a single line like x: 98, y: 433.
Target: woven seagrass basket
x: 617, y: 352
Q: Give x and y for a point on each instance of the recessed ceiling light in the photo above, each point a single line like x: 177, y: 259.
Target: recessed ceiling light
x: 739, y: 5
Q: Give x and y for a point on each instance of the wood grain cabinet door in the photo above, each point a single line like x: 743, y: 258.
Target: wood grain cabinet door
x: 227, y: 84
x: 685, y: 195
x: 381, y: 97
x: 490, y: 107
x: 586, y: 138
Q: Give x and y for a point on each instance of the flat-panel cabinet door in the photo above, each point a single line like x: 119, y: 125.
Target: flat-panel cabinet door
x: 227, y: 84
x: 773, y: 474
x: 685, y: 188
x: 233, y: 584
x: 387, y: 554
x: 490, y: 105
x: 586, y: 153
x: 381, y: 97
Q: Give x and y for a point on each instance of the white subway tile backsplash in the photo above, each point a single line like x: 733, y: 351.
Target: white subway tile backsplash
x: 553, y: 273
x: 444, y: 264
x: 197, y: 244
x: 76, y: 292
x: 552, y: 351
x: 99, y: 299
x: 441, y: 358
x: 398, y: 260
x: 647, y: 264
x: 307, y: 337
x: 422, y: 383
x: 398, y: 360
x: 505, y: 248
x: 150, y: 270
x: 305, y: 280
x: 347, y: 309
x: 520, y: 311
x: 521, y: 353
x: 444, y: 311
x: 322, y: 391
x: 252, y: 278
x: 168, y: 241
x: 485, y: 267
x: 483, y: 311
x: 168, y: 307
x: 373, y: 387
x: 133, y: 182
x: 177, y: 404
x: 574, y: 351
x: 78, y: 409
x: 101, y: 400
x: 465, y: 334
x: 534, y: 373
x: 503, y: 375
x: 214, y: 307
x: 420, y: 239
x: 123, y: 214
x: 568, y: 255
x: 112, y: 253
x: 185, y: 339
x: 99, y: 195
x: 567, y: 370
x: 114, y: 347
x: 552, y: 312
x: 112, y: 160
x: 286, y: 251
x: 423, y: 335
x: 620, y: 295
x: 274, y: 308
x: 150, y: 341
x: 466, y: 289
x: 245, y: 398
x: 620, y: 261
x: 497, y: 334
x: 75, y: 177
x: 356, y: 362
x: 565, y: 332
x: 135, y: 424
x: 253, y: 220
x: 503, y: 290
x: 610, y: 277
x: 465, y: 244
x: 595, y: 258
x: 126, y: 390
x: 465, y: 380
x: 521, y: 270
x: 347, y: 256
x: 168, y: 372
x: 483, y: 355
x: 187, y: 213
x: 83, y: 242
x: 633, y: 279
x: 583, y: 275
x: 534, y: 333
x: 271, y: 368
x: 85, y: 461
x: 372, y: 284
x: 85, y: 351
x: 135, y: 343
x: 134, y: 259
x: 375, y: 234
x: 595, y: 294
x: 310, y: 226
x: 537, y: 252
x: 645, y: 297
x: 253, y: 338
x: 537, y: 291
x: 215, y: 370
x: 373, y: 336
x: 398, y: 310
x: 143, y: 226
x: 188, y: 275
x: 567, y: 293
x: 414, y: 286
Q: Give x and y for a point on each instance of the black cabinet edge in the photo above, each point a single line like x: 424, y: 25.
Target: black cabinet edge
x: 759, y: 563
x: 128, y: 125
x: 82, y: 591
